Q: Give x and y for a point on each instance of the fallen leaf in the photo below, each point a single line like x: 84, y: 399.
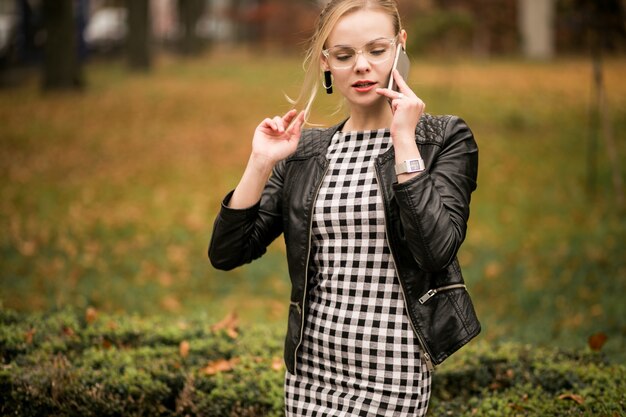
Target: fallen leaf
x: 228, y: 324
x: 166, y: 279
x: 220, y: 365
x: 597, y: 340
x: 28, y: 248
x: 278, y: 364
x: 574, y: 397
x: 517, y: 407
x: 170, y: 303
x: 29, y: 336
x: 183, y: 348
x: 494, y: 386
x: 91, y: 314
x: 492, y: 270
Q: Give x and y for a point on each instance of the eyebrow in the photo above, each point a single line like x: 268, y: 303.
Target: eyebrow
x: 367, y: 43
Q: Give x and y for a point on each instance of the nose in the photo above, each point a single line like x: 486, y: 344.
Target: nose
x: 361, y: 64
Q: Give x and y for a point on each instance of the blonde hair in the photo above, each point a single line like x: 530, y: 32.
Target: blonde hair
x: 328, y: 18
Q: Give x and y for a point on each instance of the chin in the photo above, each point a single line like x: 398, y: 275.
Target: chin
x: 368, y: 101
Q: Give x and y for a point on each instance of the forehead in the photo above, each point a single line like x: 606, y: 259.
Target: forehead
x: 360, y: 27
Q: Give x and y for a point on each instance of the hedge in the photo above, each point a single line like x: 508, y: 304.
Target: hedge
x: 70, y: 363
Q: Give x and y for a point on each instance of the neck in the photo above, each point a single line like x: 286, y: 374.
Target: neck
x: 376, y: 117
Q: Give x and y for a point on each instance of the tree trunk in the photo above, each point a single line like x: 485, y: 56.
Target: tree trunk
x: 138, y: 42
x: 189, y: 12
x: 536, y: 23
x: 602, y: 121
x: 61, y: 66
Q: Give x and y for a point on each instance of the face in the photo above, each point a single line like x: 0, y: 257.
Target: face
x: 359, y: 81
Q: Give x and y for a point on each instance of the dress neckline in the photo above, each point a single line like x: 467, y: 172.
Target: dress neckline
x: 369, y: 132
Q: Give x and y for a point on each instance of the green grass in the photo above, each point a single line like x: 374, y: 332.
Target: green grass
x: 107, y: 196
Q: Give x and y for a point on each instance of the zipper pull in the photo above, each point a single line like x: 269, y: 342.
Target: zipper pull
x: 297, y: 305
x: 429, y: 362
x: 430, y: 294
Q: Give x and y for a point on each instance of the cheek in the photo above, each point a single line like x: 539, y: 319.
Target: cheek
x: 341, y: 80
x: 386, y: 68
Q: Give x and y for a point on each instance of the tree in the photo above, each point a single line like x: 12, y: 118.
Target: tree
x: 603, y: 23
x: 139, y: 34
x: 536, y: 23
x: 61, y: 66
x: 189, y: 12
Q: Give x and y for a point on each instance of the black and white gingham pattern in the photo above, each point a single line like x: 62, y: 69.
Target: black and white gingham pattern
x: 359, y: 355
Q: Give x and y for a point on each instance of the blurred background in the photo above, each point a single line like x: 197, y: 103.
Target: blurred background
x: 32, y: 31
x: 124, y: 123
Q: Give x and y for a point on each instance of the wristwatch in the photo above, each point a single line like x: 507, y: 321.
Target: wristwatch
x: 410, y: 166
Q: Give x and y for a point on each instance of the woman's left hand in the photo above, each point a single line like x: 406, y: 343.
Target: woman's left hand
x: 407, y: 108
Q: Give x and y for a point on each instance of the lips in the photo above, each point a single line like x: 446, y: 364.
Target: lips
x: 363, y: 84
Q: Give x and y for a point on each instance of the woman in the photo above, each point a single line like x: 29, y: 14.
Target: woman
x: 373, y: 212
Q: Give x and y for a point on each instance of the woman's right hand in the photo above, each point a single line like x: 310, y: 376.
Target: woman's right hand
x: 277, y: 138
x: 274, y: 140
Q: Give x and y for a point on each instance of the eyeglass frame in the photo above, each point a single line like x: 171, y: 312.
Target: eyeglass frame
x: 326, y: 53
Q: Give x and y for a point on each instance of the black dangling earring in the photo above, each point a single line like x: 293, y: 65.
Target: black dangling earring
x: 328, y: 82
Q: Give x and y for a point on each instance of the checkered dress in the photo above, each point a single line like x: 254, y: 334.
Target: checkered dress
x: 359, y: 355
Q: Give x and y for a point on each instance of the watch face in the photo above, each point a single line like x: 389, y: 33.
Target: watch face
x: 414, y: 165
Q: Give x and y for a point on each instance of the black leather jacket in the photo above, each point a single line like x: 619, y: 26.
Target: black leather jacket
x: 425, y: 220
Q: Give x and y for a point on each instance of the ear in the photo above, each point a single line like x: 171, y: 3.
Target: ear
x: 324, y: 64
x: 402, y: 36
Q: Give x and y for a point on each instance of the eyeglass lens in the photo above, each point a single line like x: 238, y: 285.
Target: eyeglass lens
x: 375, y: 52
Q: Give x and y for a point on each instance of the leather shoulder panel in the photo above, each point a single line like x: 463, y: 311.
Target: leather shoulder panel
x: 431, y: 129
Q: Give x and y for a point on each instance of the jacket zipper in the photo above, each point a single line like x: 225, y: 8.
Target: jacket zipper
x: 427, y: 358
x: 306, y: 271
x: 431, y: 293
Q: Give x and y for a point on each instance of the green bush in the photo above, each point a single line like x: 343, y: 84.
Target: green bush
x: 70, y: 364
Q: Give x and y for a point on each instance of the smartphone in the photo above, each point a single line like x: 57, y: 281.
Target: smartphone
x: 402, y: 64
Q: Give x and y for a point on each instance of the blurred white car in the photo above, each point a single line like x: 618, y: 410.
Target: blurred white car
x: 107, y: 29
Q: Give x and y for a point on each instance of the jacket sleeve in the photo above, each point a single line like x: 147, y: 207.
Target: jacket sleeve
x: 242, y: 235
x: 434, y: 206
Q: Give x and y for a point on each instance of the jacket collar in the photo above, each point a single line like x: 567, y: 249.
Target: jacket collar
x: 315, y: 141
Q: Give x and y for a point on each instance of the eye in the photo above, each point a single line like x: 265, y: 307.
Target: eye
x: 377, y: 51
x: 343, y: 55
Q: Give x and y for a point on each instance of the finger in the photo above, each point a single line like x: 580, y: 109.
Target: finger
x: 268, y: 123
x: 394, y: 95
x: 298, y: 119
x: 280, y: 124
x: 297, y: 125
x: 288, y: 117
x: 402, y: 85
x: 390, y: 94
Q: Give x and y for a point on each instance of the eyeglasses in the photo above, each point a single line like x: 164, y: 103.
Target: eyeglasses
x: 376, y: 52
